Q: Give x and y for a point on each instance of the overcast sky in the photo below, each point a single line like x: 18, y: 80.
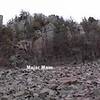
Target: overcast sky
x: 66, y: 8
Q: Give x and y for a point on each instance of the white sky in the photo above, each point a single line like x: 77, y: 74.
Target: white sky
x: 66, y: 8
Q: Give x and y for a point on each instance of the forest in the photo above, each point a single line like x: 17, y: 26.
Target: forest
x: 41, y: 39
x: 69, y: 50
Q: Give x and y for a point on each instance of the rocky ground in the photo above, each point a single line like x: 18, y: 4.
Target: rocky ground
x: 70, y: 82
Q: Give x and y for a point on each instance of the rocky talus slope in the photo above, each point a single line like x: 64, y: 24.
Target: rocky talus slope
x: 70, y: 82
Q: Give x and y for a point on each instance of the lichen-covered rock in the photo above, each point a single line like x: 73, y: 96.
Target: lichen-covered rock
x: 73, y: 84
